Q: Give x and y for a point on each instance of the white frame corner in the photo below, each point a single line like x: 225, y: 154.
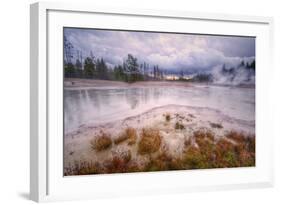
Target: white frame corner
x: 39, y: 176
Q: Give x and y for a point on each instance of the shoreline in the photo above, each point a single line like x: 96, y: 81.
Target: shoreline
x: 79, y: 83
x: 166, y: 109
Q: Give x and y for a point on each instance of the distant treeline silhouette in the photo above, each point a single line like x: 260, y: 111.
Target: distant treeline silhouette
x: 96, y: 68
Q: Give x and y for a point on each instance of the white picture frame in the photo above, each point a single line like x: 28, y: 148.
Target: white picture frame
x: 46, y: 178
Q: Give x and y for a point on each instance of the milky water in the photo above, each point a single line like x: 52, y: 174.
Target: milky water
x: 86, y: 106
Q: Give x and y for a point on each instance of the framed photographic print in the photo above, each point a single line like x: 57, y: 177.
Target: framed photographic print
x: 127, y: 102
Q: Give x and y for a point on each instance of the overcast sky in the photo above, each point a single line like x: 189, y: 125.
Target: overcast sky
x: 168, y: 50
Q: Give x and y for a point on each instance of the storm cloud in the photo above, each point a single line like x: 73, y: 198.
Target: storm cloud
x: 170, y: 51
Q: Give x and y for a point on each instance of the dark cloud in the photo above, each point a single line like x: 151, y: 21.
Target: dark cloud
x: 169, y: 51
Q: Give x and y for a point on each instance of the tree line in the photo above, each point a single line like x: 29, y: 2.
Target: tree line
x: 251, y: 66
x: 97, y: 68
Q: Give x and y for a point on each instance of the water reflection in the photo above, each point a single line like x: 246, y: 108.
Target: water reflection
x: 103, y: 105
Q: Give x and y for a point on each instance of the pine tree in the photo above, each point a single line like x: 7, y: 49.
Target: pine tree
x: 89, y: 68
x: 131, y: 68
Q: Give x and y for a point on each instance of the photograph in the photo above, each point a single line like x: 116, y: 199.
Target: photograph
x: 147, y: 101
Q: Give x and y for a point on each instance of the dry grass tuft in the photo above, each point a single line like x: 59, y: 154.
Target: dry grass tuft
x: 193, y: 158
x: 179, y: 126
x: 101, y: 142
x: 200, y: 156
x: 164, y: 161
x: 168, y: 117
x: 201, y: 134
x: 211, y: 153
x: 159, y: 162
x: 201, y: 151
x: 216, y: 125
x: 188, y: 142
x: 129, y: 134
x: 190, y: 115
x: 235, y: 136
x: 150, y: 141
x: 82, y: 168
x: 119, y: 162
x: 225, y: 155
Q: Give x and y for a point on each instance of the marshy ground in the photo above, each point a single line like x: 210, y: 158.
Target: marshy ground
x: 170, y: 137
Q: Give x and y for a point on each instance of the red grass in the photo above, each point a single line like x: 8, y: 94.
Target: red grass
x: 233, y: 150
